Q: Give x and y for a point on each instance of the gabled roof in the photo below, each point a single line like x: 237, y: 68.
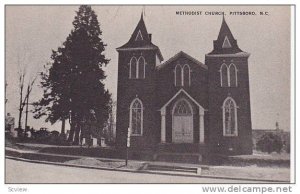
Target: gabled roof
x: 178, y: 55
x: 163, y: 108
x: 140, y: 40
x: 226, y: 43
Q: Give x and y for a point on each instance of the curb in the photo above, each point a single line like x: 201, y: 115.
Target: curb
x: 141, y: 171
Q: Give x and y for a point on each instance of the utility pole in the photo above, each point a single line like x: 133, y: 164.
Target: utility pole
x: 127, y: 145
x: 63, y: 126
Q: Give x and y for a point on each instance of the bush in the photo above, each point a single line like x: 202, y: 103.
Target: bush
x: 270, y: 142
x: 288, y: 147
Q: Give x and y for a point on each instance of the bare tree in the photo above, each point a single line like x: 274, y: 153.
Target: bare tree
x: 21, y: 105
x: 29, y: 89
x: 24, y: 98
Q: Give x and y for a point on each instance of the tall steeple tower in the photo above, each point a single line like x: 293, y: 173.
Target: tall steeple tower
x: 136, y: 88
x: 230, y: 127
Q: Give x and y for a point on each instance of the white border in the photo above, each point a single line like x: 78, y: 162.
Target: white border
x: 149, y: 189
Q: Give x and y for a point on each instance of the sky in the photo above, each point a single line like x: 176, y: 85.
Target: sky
x: 33, y: 31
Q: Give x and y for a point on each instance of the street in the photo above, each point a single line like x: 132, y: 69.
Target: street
x: 26, y: 172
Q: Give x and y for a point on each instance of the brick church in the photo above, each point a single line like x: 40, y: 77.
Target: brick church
x: 182, y: 102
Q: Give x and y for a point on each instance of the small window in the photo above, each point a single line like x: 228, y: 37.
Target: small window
x: 139, y: 36
x: 182, y: 75
x: 137, y: 68
x: 229, y: 117
x: 233, y: 75
x: 226, y: 43
x: 224, y: 75
x: 133, y: 68
x: 141, y: 67
x: 186, y: 75
x: 228, y: 75
x: 178, y: 81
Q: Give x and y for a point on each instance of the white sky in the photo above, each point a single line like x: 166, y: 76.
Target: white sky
x: 32, y: 31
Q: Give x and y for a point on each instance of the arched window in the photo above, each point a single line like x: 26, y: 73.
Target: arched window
x: 224, y: 75
x: 186, y: 75
x: 182, y: 75
x: 232, y: 75
x: 182, y: 108
x: 229, y: 117
x: 133, y: 68
x: 136, y: 117
x: 178, y: 74
x: 141, y: 67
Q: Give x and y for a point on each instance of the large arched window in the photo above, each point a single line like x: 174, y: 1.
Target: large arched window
x: 186, y: 75
x: 136, y: 117
x: 177, y: 72
x: 224, y: 75
x: 141, y: 67
x: 133, y: 68
x: 232, y: 75
x: 230, y: 127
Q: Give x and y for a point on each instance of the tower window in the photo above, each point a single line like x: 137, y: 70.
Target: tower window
x: 224, y: 75
x: 228, y: 75
x: 229, y: 117
x: 137, y: 68
x: 226, y: 43
x: 133, y: 68
x: 136, y: 117
x: 139, y: 36
x: 141, y: 67
x: 232, y: 75
x: 182, y: 75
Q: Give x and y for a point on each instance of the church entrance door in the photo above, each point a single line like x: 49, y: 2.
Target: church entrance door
x: 182, y: 122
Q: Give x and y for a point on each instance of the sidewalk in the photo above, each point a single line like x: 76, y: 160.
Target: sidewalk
x: 251, y: 173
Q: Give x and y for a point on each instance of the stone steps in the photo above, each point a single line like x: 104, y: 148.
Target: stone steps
x: 181, y: 153
x: 192, y: 158
x: 181, y: 148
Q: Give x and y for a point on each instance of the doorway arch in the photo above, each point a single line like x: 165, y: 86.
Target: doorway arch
x: 182, y: 122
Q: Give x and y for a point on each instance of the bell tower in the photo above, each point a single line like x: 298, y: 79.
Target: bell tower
x: 136, y: 89
x: 230, y: 129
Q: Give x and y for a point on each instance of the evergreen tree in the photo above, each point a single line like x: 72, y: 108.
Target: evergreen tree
x: 73, y: 83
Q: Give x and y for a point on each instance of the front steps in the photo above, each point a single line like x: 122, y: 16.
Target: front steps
x: 180, y: 153
x: 192, y: 158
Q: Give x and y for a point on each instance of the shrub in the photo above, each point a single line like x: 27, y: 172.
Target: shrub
x: 270, y: 142
x: 288, y: 147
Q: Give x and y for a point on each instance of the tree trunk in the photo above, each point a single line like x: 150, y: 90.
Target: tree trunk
x: 26, y: 112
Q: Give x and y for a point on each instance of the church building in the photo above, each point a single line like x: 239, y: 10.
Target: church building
x: 182, y: 103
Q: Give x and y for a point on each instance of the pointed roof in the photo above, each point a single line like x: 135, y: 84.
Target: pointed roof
x: 163, y: 108
x: 178, y: 55
x: 140, y: 39
x: 226, y: 43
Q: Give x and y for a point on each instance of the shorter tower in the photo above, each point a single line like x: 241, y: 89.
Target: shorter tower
x: 230, y: 129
